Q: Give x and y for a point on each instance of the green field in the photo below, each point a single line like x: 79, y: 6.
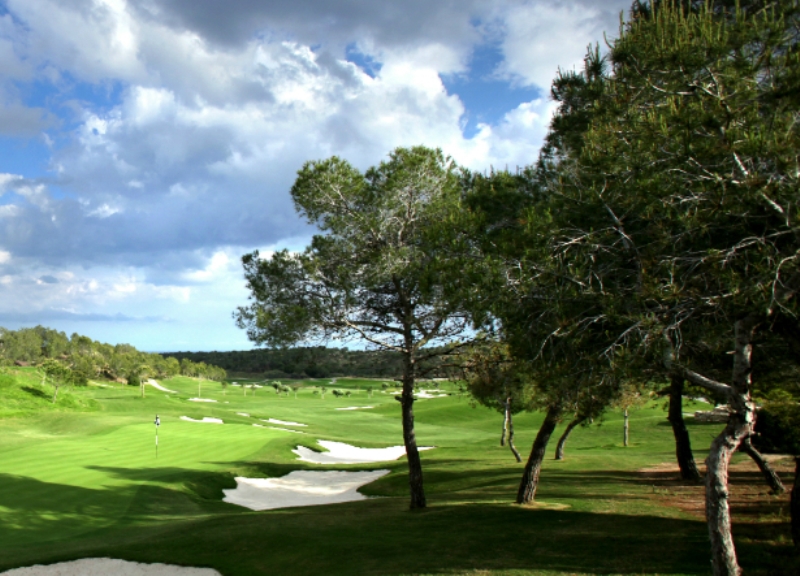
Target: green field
x: 81, y: 479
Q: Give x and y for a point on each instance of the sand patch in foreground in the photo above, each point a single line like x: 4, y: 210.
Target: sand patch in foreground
x: 356, y: 408
x: 341, y: 453
x: 300, y: 488
x: 107, y: 566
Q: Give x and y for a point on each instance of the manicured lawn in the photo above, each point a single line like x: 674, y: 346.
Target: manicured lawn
x: 82, y: 479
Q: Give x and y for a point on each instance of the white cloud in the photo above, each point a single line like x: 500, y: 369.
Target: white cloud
x: 541, y: 37
x: 155, y: 192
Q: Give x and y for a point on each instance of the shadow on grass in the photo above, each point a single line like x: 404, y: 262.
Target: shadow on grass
x: 38, y: 393
x: 152, y: 523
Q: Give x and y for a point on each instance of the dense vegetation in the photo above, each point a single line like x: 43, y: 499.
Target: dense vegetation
x: 301, y: 362
x: 77, y: 359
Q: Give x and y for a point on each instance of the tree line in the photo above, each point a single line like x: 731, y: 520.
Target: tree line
x: 302, y: 362
x: 654, y: 240
x: 77, y: 359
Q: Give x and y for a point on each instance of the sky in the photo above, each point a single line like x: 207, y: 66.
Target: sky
x: 146, y: 145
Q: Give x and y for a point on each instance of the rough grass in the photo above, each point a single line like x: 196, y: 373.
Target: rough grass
x: 82, y: 479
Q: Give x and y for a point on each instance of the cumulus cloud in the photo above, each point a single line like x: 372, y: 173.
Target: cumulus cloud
x: 541, y: 37
x: 174, y: 130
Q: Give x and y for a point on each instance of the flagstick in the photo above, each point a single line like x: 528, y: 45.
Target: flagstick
x: 157, y: 423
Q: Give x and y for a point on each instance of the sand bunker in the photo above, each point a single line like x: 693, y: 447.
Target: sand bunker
x: 429, y: 394
x: 106, y: 566
x: 201, y: 400
x: 245, y: 414
x: 300, y: 488
x: 341, y: 453
x: 206, y: 420
x: 285, y: 430
x: 158, y: 386
x: 356, y: 408
x: 284, y: 422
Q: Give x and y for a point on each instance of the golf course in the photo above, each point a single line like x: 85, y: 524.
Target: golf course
x: 83, y: 478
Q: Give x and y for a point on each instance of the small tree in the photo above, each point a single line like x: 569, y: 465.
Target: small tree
x: 496, y: 381
x: 631, y: 395
x: 58, y: 374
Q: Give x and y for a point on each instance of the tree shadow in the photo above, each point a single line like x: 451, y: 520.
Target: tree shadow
x: 37, y: 392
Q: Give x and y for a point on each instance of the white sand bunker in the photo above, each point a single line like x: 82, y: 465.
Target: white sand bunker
x: 201, y: 400
x: 245, y: 414
x: 106, y: 566
x: 300, y: 488
x: 341, y: 453
x: 158, y: 386
x: 429, y: 394
x: 286, y: 430
x: 206, y: 420
x: 284, y: 422
x: 356, y: 408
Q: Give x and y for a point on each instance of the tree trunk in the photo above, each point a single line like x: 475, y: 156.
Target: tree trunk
x: 563, y: 440
x: 625, y: 427
x: 55, y: 394
x: 795, y: 504
x: 683, y: 444
x: 514, y: 450
x: 141, y: 386
x: 772, y: 478
x: 506, y: 418
x: 409, y: 437
x: 530, y: 478
x: 740, y: 426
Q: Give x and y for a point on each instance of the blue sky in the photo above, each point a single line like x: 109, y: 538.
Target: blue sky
x: 145, y: 145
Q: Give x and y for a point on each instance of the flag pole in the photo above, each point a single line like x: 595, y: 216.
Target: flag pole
x: 157, y: 423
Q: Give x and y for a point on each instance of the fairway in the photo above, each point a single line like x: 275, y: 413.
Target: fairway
x: 85, y: 481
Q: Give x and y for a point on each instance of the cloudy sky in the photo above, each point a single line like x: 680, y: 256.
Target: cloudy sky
x: 145, y: 145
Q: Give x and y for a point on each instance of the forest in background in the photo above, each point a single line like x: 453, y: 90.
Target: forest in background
x: 303, y: 362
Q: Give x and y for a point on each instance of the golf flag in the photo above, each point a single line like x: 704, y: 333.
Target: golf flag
x: 157, y: 423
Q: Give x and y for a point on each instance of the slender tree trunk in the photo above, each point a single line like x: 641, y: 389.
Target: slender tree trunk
x: 506, y: 418
x: 530, y: 478
x: 409, y: 437
x: 772, y: 478
x: 740, y: 426
x: 795, y: 504
x: 141, y: 386
x: 563, y: 440
x: 625, y: 427
x: 683, y: 444
x: 514, y: 450
x: 55, y: 394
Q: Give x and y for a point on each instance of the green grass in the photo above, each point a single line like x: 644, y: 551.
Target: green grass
x: 80, y: 478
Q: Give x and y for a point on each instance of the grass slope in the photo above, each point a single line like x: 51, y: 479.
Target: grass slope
x: 81, y: 478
